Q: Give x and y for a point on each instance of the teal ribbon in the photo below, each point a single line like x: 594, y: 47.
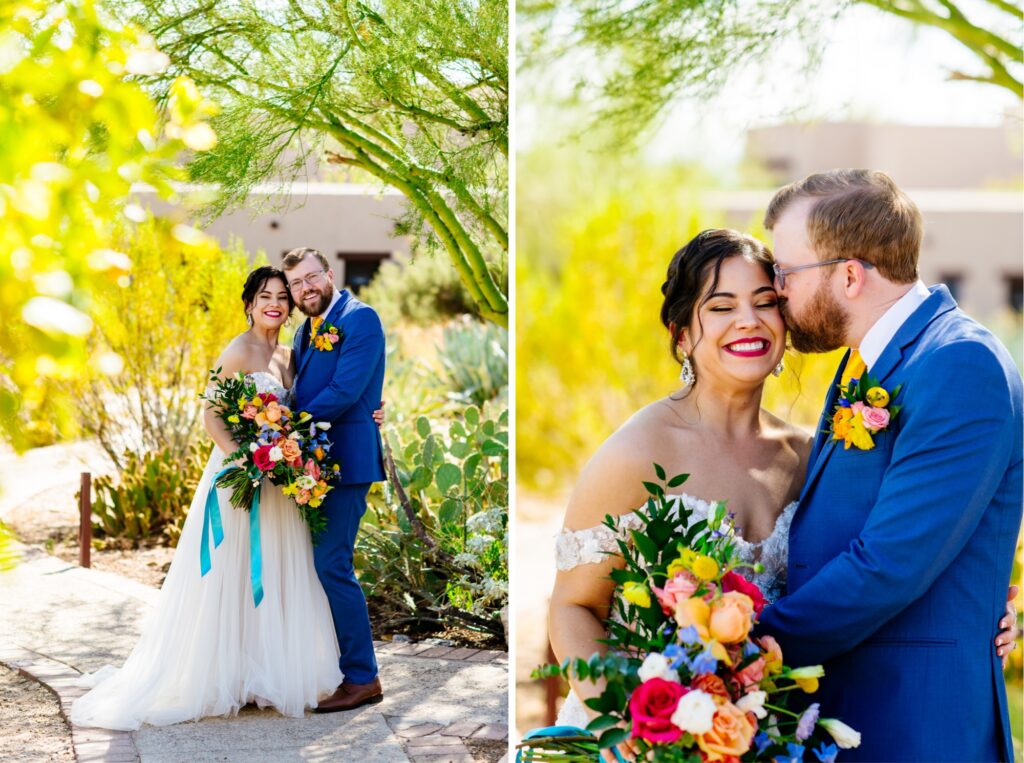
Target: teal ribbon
x: 212, y: 522
x: 211, y: 519
x: 255, y: 552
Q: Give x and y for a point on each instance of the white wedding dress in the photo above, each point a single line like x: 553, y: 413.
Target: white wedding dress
x: 207, y: 649
x: 589, y: 546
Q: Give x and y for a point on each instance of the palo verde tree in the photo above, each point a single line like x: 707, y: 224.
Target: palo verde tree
x: 413, y: 92
x: 646, y: 54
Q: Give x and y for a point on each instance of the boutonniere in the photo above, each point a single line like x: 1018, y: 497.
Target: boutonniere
x: 863, y: 410
x: 326, y: 337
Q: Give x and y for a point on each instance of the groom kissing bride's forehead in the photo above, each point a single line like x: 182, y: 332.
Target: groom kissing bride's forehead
x: 900, y: 552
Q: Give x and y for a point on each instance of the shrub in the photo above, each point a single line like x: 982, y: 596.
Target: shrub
x: 150, y: 497
x: 163, y: 331
x: 474, y: 361
x: 424, y: 290
x: 434, y: 549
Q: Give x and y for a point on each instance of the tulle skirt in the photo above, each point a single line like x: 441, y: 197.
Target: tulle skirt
x: 208, y: 650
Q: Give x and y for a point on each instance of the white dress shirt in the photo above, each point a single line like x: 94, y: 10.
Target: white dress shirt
x: 885, y: 328
x: 325, y: 313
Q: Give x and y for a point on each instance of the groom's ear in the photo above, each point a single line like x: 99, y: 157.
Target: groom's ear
x: 854, y: 277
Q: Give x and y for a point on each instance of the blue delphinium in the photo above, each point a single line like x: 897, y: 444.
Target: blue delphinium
x: 826, y: 753
x: 794, y: 754
x: 762, y: 741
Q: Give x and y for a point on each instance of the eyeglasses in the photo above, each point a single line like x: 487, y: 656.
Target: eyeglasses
x: 781, y: 273
x: 311, y: 280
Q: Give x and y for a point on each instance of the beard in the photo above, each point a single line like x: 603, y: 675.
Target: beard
x: 823, y: 325
x: 312, y: 309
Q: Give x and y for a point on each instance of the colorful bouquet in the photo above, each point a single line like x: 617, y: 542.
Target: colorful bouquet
x: 274, y: 443
x: 685, y: 678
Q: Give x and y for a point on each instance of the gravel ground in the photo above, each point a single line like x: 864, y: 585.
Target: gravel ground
x: 31, y: 727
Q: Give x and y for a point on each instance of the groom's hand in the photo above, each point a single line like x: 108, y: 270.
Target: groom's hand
x: 1006, y: 641
x: 378, y: 415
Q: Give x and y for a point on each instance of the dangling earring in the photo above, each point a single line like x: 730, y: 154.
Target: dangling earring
x: 248, y: 319
x: 686, y: 375
x: 777, y: 371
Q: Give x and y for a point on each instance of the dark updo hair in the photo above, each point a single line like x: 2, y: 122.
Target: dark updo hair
x: 684, y: 288
x: 257, y: 279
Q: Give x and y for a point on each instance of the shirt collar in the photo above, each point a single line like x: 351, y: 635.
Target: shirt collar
x: 325, y: 313
x: 885, y: 328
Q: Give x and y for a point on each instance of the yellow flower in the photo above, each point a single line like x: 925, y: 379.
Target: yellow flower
x: 719, y: 653
x: 705, y: 567
x: 233, y: 419
x: 336, y: 468
x: 636, y: 593
x: 695, y: 612
x: 858, y: 435
x: 291, y: 489
x: 683, y: 562
x: 809, y: 685
x: 257, y: 401
x: 315, y: 503
x: 319, y: 454
x: 877, y: 397
x: 242, y: 403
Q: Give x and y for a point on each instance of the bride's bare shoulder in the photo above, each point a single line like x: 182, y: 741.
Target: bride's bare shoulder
x: 612, y: 481
x: 235, y: 357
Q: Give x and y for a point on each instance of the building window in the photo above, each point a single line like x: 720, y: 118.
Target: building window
x: 361, y: 267
x: 954, y: 282
x: 1015, y: 293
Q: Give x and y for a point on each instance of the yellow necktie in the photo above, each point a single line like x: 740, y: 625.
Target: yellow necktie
x: 855, y: 367
x: 316, y: 327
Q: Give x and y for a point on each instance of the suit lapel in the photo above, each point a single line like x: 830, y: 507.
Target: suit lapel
x: 938, y: 303
x: 307, y: 351
x: 823, y: 446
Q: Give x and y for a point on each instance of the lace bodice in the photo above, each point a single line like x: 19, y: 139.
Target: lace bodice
x: 266, y: 382
x: 591, y: 546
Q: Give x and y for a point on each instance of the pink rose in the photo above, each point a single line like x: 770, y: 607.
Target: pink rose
x: 261, y: 457
x: 751, y: 675
x: 875, y: 419
x: 302, y: 497
x: 651, y: 708
x: 333, y: 338
x: 857, y: 407
x: 679, y: 588
x: 249, y: 412
x: 312, y: 469
x: 733, y: 581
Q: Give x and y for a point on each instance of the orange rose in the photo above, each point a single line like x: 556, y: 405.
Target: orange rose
x: 731, y: 617
x: 711, y: 684
x: 292, y: 450
x: 273, y: 412
x: 730, y: 735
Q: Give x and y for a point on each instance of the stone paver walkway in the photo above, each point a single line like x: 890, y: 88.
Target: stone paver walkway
x: 59, y: 620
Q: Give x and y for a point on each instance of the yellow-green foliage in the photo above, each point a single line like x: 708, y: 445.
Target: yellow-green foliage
x: 590, y: 260
x: 77, y: 129
x: 165, y: 328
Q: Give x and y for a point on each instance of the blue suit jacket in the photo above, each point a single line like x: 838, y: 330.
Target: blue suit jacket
x: 344, y: 386
x: 900, y: 556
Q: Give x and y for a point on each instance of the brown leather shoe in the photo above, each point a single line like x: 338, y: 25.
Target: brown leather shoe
x: 349, y: 696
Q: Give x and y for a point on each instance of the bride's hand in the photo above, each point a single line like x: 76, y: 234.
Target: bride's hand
x: 1006, y: 640
x: 378, y: 415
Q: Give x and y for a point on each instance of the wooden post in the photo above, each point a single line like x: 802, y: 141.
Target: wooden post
x: 85, y: 523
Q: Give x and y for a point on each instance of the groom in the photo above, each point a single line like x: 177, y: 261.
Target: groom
x: 900, y: 554
x: 339, y: 354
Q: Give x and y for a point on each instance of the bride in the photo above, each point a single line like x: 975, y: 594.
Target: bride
x: 208, y: 650
x: 722, y: 312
